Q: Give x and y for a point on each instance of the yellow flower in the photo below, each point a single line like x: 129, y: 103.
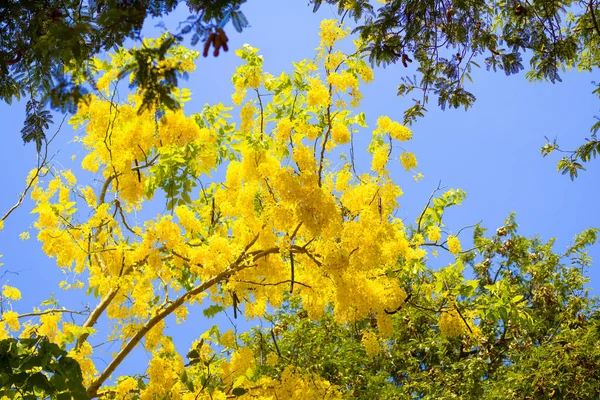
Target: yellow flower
x: 283, y: 129
x: 331, y: 32
x: 333, y: 60
x: 3, y: 331
x: 181, y: 314
x: 176, y: 128
x: 304, y: 158
x: 417, y: 239
x: 408, y: 160
x: 399, y: 132
x: 380, y: 158
x: 371, y: 344
x: 343, y: 177
x: 12, y: 320
x: 434, y: 233
x: 49, y: 325
x: 451, y: 324
x: 238, y: 96
x: 69, y: 177
x: 24, y: 235
x: 454, y: 245
x: 228, y: 339
x: 366, y: 73
x: 125, y: 387
x: 242, y: 360
x: 342, y: 81
x: 11, y: 292
x: 340, y: 133
x: 246, y: 115
x: 318, y: 95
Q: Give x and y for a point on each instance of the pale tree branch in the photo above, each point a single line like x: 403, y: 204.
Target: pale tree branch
x: 240, y: 264
x: 50, y: 311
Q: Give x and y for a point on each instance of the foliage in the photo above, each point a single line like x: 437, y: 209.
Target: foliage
x: 447, y: 39
x: 572, y: 163
x: 46, y: 46
x: 293, y: 223
x: 522, y: 328
x: 38, y: 369
x: 45, y: 52
x: 287, y: 218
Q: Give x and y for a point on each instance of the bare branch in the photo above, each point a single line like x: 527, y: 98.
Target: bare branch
x: 427, y: 206
x: 54, y: 310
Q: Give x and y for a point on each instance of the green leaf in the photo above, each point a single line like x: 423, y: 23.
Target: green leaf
x: 238, y: 391
x: 516, y: 299
x: 212, y: 310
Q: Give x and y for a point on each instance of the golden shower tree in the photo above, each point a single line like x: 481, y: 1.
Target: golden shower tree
x: 291, y: 215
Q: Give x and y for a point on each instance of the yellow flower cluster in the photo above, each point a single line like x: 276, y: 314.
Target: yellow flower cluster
x: 371, y: 343
x: 228, y: 339
x: 343, y: 81
x: 331, y: 31
x: 12, y: 320
x: 340, y: 133
x: 125, y: 388
x: 11, y: 293
x: 177, y: 129
x: 295, y: 385
x: 408, y: 160
x: 451, y: 324
x: 399, y: 132
x: 318, y: 95
x: 283, y: 130
x: 434, y: 233
x: 163, y: 373
x: 248, y: 76
x: 380, y: 158
x: 83, y: 356
x: 454, y: 245
x: 246, y: 115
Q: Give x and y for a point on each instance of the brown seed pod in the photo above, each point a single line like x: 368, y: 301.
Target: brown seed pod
x: 405, y: 59
x: 222, y: 35
x: 210, y: 39
x: 218, y: 45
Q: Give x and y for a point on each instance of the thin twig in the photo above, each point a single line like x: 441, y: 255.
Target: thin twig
x: 55, y: 310
x: 427, y: 206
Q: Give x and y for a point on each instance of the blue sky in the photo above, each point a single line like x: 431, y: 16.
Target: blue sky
x: 491, y: 151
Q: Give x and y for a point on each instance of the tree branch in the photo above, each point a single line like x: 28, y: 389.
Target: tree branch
x: 237, y: 266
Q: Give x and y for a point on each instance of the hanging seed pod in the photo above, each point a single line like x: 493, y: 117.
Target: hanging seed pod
x: 218, y: 45
x: 210, y: 39
x: 222, y: 35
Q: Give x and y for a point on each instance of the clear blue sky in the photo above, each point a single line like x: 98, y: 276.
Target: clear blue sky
x: 491, y: 151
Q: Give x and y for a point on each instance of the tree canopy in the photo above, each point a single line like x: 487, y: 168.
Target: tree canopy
x: 266, y: 213
x: 447, y: 39
x: 522, y: 328
x: 46, y: 50
x: 47, y: 46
